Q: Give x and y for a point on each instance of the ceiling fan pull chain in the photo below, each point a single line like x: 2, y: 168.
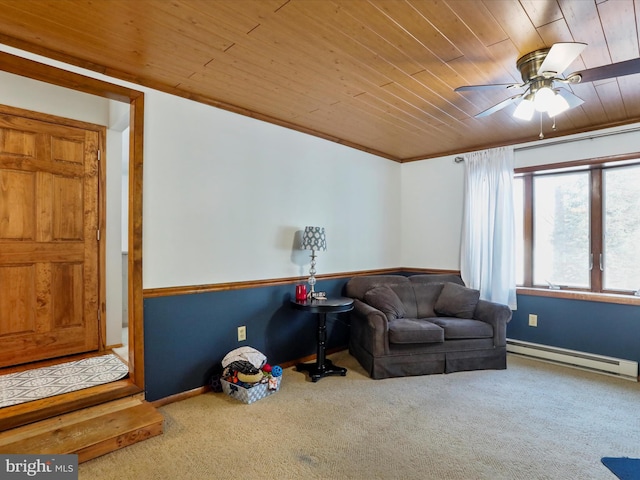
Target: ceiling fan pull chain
x: 541, y: 136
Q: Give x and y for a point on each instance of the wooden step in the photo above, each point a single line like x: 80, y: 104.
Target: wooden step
x: 89, y: 432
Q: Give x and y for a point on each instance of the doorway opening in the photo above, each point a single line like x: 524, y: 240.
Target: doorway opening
x: 134, y: 102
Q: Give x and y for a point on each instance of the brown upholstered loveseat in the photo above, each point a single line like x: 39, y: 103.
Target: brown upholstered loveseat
x: 424, y: 324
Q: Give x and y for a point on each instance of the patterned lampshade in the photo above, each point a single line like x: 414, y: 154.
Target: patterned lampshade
x: 314, y: 239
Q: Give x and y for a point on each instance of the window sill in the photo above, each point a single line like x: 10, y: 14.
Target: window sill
x: 576, y: 295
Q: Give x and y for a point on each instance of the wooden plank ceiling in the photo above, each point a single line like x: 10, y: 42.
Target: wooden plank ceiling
x: 377, y: 75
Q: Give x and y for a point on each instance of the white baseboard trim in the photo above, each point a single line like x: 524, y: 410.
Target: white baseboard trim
x: 617, y: 367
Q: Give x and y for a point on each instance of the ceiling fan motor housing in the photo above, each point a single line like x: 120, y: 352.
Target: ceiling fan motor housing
x: 530, y: 63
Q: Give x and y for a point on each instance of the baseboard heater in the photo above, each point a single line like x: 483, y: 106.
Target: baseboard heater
x: 626, y: 369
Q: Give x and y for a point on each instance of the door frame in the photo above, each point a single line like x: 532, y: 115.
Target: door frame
x: 63, y: 78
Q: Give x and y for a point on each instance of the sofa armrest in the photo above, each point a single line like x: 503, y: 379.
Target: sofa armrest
x: 497, y: 315
x: 370, y: 327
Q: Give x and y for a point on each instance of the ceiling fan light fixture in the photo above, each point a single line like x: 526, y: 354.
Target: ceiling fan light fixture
x: 558, y: 106
x: 544, y: 99
x: 525, y: 109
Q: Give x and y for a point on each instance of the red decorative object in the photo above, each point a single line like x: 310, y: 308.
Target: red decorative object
x: 301, y: 292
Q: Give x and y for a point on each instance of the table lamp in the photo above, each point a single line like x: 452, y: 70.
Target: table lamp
x: 313, y: 239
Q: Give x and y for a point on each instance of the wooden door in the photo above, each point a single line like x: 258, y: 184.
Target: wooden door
x: 49, y: 252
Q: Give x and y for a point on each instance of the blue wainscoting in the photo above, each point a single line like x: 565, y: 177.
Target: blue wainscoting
x: 601, y: 328
x: 186, y: 336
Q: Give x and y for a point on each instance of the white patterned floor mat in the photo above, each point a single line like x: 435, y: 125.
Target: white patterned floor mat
x: 45, y: 382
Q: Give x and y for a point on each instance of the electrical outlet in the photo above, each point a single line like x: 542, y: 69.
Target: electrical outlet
x: 533, y: 320
x: 242, y: 333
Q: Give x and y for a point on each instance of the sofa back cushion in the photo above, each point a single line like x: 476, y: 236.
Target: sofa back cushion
x: 426, y: 296
x: 457, y: 301
x: 359, y: 285
x: 386, y: 300
x: 408, y: 298
x: 436, y: 278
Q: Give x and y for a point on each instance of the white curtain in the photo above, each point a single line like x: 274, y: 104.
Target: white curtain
x: 487, y: 253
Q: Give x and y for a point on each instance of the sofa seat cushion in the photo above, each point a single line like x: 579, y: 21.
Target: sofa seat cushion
x: 461, y: 328
x: 413, y: 330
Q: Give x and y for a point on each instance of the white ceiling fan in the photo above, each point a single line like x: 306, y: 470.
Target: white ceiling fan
x: 542, y: 79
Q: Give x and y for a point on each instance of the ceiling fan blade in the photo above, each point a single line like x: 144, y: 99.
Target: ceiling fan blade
x: 572, y: 100
x: 498, y: 106
x: 467, y: 88
x: 620, y: 69
x: 560, y: 57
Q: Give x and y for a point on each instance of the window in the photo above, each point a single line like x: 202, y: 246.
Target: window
x: 621, y: 228
x: 579, y: 228
x: 561, y: 230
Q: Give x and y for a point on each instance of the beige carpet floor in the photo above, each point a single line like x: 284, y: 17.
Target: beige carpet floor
x: 531, y: 421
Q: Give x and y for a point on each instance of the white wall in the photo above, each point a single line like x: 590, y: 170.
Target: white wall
x: 224, y: 196
x: 602, y: 143
x: 124, y: 226
x: 432, y: 191
x: 432, y: 213
x: 21, y: 92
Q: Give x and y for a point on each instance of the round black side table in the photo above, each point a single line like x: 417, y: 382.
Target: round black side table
x: 323, y: 366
